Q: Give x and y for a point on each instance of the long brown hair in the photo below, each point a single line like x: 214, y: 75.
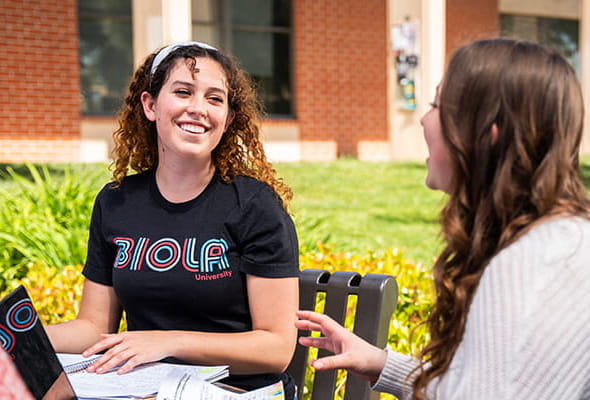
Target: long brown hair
x: 502, y: 184
x: 240, y: 151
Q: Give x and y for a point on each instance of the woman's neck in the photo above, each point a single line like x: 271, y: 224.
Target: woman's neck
x: 180, y: 184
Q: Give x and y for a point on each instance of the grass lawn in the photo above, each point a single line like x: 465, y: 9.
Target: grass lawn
x: 351, y: 205
x: 358, y: 206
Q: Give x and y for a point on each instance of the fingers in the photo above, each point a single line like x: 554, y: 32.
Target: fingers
x: 131, y: 363
x: 313, y: 316
x: 127, y: 350
x: 311, y: 320
x: 351, y: 352
x: 108, y: 341
x: 121, y: 361
x: 309, y: 341
x: 340, y: 361
x: 108, y: 361
x: 117, y: 355
x: 306, y: 325
x: 324, y: 363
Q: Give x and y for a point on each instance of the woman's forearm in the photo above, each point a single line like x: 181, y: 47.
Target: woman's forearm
x: 245, y: 352
x: 73, y: 336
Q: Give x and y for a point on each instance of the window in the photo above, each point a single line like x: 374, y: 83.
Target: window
x: 106, y: 56
x: 562, y: 34
x: 258, y: 33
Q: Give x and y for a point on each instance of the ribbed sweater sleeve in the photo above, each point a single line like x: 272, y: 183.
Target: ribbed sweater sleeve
x: 527, y: 334
x: 393, y: 378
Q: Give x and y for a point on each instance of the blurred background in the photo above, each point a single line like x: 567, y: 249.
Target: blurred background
x: 338, y: 77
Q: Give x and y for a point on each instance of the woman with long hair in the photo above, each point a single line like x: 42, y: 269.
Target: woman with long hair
x: 512, y: 282
x: 196, y: 247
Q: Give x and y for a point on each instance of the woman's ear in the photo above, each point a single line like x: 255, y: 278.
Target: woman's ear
x: 149, y: 106
x: 494, y: 133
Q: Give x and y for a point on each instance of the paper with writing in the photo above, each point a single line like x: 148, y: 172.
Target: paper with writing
x: 187, y: 386
x: 142, y: 381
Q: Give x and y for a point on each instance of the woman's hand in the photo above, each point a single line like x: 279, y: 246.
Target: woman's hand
x: 127, y: 350
x: 350, y: 351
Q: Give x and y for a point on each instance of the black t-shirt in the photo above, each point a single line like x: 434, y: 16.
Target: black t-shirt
x: 183, y: 266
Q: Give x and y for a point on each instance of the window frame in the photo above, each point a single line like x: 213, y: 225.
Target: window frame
x: 226, y: 28
x: 545, y: 20
x: 95, y: 16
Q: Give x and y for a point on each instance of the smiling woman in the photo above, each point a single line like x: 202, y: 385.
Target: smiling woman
x: 191, y: 114
x: 197, y: 247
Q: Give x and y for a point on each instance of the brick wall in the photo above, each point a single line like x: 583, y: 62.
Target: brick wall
x: 468, y: 20
x: 40, y: 150
x: 39, y: 73
x: 340, y: 72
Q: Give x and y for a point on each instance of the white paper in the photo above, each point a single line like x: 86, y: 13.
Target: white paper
x: 141, y: 381
x: 187, y: 386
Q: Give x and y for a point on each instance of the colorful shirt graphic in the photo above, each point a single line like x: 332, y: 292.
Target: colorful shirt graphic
x: 183, y: 266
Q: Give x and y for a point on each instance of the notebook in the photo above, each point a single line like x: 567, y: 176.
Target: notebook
x: 23, y: 337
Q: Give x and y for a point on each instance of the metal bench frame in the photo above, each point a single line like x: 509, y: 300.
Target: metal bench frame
x: 377, y: 298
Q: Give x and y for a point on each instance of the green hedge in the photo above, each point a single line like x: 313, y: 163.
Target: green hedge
x: 45, y: 215
x: 56, y: 292
x: 44, y: 218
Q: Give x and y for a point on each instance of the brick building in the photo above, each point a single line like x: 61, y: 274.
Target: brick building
x: 39, y: 81
x: 327, y: 68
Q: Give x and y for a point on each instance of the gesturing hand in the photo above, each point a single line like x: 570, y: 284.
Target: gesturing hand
x: 350, y: 351
x: 128, y: 350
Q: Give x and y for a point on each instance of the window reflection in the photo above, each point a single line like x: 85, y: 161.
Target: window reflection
x: 106, y: 56
x: 258, y: 33
x: 562, y: 34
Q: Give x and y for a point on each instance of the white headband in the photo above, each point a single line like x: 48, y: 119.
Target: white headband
x: 162, y: 54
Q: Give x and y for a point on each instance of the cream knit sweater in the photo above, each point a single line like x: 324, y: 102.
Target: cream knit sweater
x: 528, y: 328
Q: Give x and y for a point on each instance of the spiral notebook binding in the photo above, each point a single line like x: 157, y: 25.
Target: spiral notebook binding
x: 79, y: 366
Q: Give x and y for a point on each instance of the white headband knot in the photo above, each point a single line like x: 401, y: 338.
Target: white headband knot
x: 162, y: 54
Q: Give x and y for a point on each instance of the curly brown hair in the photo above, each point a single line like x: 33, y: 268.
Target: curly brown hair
x: 240, y: 151
x: 501, y: 187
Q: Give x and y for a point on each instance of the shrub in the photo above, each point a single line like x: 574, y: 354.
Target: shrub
x: 415, y: 296
x: 45, y: 228
x: 45, y: 220
x: 407, y: 334
x: 56, y: 292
